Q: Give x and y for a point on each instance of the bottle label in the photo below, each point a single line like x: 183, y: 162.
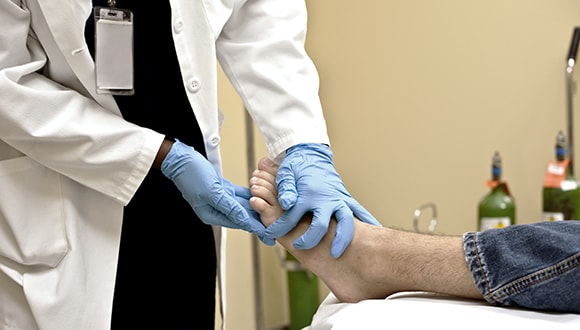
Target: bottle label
x: 553, y: 216
x: 555, y: 173
x: 490, y: 223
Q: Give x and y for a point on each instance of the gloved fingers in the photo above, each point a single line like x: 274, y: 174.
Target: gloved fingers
x: 230, y: 208
x: 362, y: 213
x: 234, y: 189
x: 266, y: 240
x: 256, y: 226
x: 243, y: 192
x: 285, y: 223
x: 286, y: 185
x: 210, y: 216
x: 252, y: 214
x: 217, y: 205
x: 344, y: 231
x: 227, y: 186
x: 316, y: 231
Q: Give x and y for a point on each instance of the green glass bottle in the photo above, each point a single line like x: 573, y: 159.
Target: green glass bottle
x: 561, y: 193
x: 497, y: 208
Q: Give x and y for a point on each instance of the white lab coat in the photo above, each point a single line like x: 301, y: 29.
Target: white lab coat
x: 69, y: 162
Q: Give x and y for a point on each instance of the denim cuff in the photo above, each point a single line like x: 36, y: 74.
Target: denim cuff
x: 535, y: 266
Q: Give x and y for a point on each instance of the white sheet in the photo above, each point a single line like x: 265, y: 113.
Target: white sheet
x: 423, y: 310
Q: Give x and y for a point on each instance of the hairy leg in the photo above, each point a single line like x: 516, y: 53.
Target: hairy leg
x: 379, y: 261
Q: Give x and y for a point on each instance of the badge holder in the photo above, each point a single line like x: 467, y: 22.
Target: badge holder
x: 114, y: 50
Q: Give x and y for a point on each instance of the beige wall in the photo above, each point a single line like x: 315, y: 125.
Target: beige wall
x: 418, y: 95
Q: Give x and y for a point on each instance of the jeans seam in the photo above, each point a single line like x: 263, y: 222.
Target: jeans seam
x: 503, y: 293
x: 480, y: 263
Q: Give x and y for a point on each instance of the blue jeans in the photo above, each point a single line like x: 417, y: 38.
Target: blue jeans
x: 529, y: 265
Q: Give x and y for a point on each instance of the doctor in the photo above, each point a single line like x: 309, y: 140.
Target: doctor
x: 110, y: 173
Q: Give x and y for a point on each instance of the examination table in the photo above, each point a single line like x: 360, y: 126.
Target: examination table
x: 424, y: 310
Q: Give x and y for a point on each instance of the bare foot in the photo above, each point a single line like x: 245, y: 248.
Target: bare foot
x: 351, y: 277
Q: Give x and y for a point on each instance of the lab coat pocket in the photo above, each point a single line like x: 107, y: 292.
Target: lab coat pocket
x: 31, y: 213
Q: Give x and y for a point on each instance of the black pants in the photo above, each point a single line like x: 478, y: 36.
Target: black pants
x: 167, y: 265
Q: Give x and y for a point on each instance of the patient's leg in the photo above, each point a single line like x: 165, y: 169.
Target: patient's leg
x: 379, y: 261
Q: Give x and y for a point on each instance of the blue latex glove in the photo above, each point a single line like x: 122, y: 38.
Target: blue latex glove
x: 214, y: 199
x: 308, y: 182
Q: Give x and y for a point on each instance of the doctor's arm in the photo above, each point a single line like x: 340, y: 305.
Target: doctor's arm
x: 261, y: 50
x: 44, y: 117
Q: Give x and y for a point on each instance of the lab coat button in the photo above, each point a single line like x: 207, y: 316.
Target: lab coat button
x: 214, y: 141
x: 193, y: 85
x: 177, y: 25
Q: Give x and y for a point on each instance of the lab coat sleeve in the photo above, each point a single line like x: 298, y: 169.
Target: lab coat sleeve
x: 64, y: 129
x: 261, y: 50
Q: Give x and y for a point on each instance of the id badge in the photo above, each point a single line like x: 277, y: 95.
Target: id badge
x: 114, y: 50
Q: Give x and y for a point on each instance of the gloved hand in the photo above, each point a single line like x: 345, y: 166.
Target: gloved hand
x: 308, y: 182
x: 214, y: 199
